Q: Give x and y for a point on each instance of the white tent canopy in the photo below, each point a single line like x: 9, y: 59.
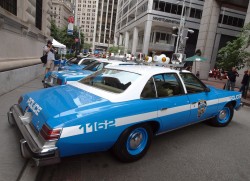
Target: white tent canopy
x: 57, y: 44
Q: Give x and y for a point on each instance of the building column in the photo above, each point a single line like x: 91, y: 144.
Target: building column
x: 216, y: 49
x: 247, y: 20
x: 120, y: 40
x: 146, y: 38
x: 126, y: 42
x: 135, y: 40
x: 207, y: 34
x: 116, y: 40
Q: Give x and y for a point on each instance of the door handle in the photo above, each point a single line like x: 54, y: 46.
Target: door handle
x: 163, y: 109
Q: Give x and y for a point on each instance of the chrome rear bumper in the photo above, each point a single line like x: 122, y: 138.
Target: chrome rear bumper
x: 31, y: 145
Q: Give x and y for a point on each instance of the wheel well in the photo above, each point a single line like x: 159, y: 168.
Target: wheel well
x: 154, y: 125
x: 233, y: 103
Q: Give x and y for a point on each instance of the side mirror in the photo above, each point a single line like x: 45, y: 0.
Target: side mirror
x: 207, y: 89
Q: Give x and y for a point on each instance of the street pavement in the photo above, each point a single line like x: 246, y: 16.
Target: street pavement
x: 14, y: 167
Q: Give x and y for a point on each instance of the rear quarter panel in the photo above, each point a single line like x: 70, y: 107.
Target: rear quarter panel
x: 97, y: 129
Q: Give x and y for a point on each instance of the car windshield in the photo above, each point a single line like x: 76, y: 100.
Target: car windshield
x: 95, y: 66
x: 111, y: 80
x: 87, y: 61
x: 74, y: 60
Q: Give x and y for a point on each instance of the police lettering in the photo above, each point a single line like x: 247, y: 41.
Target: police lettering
x: 34, y: 106
x: 236, y: 97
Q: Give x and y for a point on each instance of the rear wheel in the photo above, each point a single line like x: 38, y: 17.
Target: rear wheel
x: 224, y: 117
x: 133, y: 143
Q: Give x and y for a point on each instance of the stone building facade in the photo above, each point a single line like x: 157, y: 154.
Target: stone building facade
x: 24, y: 30
x: 61, y: 10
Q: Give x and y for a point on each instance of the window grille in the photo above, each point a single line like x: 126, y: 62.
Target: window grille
x: 9, y: 5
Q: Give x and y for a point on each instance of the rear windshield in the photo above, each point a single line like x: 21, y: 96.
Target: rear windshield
x: 87, y: 61
x: 111, y: 80
x: 95, y: 66
x: 74, y: 60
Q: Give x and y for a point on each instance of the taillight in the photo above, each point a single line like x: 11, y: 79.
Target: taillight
x: 50, y: 134
x: 20, y: 100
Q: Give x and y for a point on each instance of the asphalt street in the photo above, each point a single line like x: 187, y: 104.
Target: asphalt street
x: 198, y: 152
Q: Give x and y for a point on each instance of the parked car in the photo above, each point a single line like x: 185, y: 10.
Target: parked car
x: 118, y: 108
x: 78, y: 64
x: 56, y: 78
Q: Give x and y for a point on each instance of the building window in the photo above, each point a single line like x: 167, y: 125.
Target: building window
x: 195, y: 13
x: 231, y: 21
x: 9, y: 5
x: 39, y: 5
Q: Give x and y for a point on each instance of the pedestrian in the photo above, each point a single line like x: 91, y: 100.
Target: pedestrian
x: 215, y: 73
x: 231, y: 78
x: 244, y: 81
x: 48, y: 49
x: 198, y: 74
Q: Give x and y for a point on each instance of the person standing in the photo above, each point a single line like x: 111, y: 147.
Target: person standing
x: 244, y: 81
x: 48, y: 49
x: 231, y: 78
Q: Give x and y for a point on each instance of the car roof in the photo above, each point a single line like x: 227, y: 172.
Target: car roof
x: 115, y: 62
x: 145, y: 69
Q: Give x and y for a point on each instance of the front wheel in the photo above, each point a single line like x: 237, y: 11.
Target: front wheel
x: 224, y: 117
x: 133, y: 143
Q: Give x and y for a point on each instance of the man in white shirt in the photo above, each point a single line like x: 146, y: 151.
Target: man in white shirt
x: 48, y: 49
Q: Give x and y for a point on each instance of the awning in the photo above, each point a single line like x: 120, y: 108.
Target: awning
x: 57, y: 44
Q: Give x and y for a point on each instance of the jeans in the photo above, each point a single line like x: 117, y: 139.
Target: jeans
x: 243, y: 87
x: 230, y: 85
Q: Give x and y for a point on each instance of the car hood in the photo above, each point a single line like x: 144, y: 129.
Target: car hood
x: 55, y: 105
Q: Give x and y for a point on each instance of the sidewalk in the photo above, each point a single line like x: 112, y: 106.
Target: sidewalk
x: 220, y: 84
x: 13, y: 166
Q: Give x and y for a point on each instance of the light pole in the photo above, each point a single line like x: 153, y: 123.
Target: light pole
x: 181, y: 28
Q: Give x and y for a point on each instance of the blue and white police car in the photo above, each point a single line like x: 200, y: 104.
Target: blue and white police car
x: 56, y: 78
x: 77, y: 63
x: 118, y: 108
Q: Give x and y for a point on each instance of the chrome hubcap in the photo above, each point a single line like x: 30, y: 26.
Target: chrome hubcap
x: 222, y: 114
x: 135, y: 140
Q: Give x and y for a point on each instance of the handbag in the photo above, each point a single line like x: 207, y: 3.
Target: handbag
x: 44, y: 59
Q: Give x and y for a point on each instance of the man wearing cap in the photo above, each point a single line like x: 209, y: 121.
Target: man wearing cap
x: 48, y: 49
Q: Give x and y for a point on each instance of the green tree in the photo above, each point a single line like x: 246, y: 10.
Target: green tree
x: 60, y: 34
x: 54, y: 31
x: 115, y: 49
x: 234, y: 54
x: 86, y: 46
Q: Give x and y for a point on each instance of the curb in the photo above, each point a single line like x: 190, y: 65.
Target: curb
x: 29, y: 172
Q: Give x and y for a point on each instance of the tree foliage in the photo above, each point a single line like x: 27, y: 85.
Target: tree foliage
x: 235, y: 53
x: 60, y: 34
x: 115, y: 49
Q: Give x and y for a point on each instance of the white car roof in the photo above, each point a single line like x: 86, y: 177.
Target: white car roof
x: 133, y: 92
x: 145, y: 69
x: 115, y: 62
